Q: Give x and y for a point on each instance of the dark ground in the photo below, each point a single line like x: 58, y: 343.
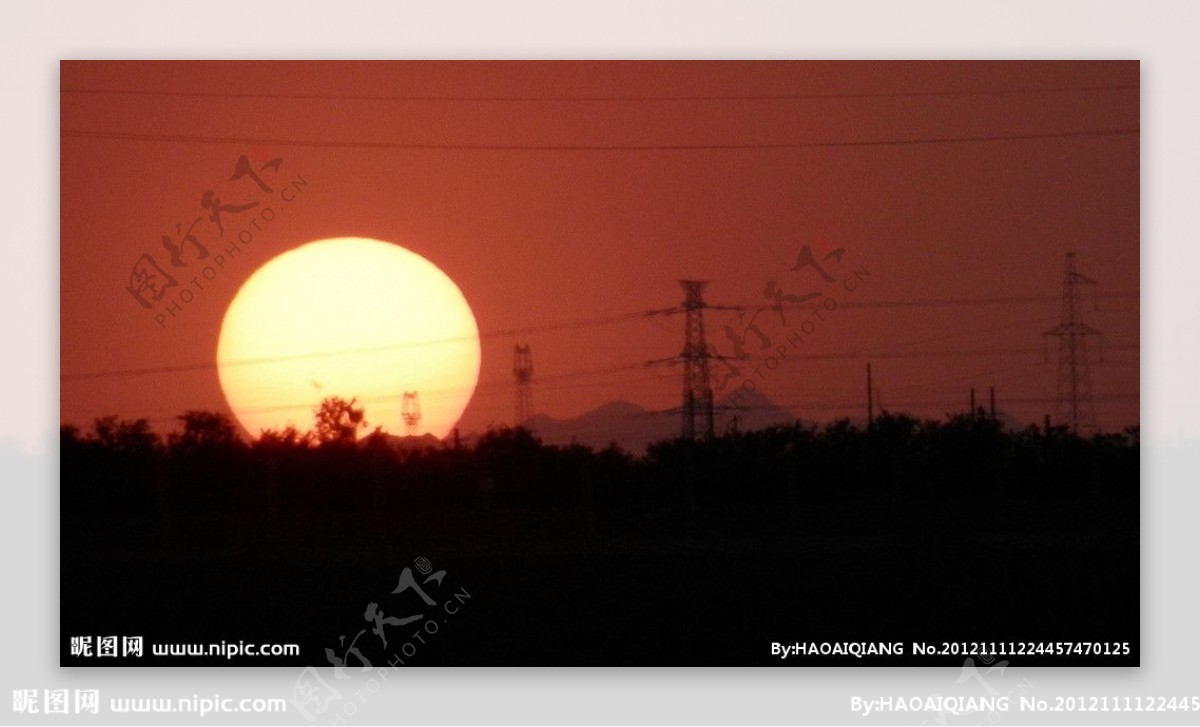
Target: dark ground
x: 655, y: 587
x: 692, y: 554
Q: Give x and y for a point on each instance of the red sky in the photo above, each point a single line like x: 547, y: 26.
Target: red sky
x: 539, y: 236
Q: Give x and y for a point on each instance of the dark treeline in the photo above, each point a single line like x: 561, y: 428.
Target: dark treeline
x: 123, y: 466
x: 688, y: 554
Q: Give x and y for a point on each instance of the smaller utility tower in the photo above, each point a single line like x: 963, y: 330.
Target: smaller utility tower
x: 411, y: 411
x: 523, y: 372
x: 697, y: 392
x: 1074, y: 364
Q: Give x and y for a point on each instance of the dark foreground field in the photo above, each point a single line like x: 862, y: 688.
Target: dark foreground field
x: 958, y: 535
x: 565, y: 588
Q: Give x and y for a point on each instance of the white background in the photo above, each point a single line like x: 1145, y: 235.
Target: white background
x: 1162, y: 35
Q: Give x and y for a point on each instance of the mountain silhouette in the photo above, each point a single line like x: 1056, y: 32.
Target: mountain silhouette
x: 400, y: 444
x: 632, y: 427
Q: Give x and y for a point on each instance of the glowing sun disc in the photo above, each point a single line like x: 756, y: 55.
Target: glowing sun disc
x: 349, y: 317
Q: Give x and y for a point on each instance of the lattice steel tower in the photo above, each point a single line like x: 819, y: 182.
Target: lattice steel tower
x: 697, y: 393
x: 523, y: 372
x: 1074, y: 389
x: 411, y: 412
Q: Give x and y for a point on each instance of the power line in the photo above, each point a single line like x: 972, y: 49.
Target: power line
x: 859, y: 355
x: 497, y: 386
x: 585, y: 323
x: 938, y: 302
x: 597, y: 99
x: 841, y: 355
x: 958, y: 334
x: 494, y: 389
x: 926, y: 302
x: 312, y: 143
x: 484, y: 390
x: 605, y: 320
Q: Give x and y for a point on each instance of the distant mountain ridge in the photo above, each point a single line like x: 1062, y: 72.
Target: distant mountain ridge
x: 399, y: 444
x: 632, y: 427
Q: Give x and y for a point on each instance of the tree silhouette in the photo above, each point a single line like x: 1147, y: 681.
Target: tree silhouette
x: 204, y: 431
x: 338, y: 421
x: 287, y: 438
x: 133, y: 437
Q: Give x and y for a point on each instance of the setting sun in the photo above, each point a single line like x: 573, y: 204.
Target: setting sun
x: 352, y: 318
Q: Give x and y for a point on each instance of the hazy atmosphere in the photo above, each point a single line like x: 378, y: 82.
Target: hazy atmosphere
x: 566, y: 200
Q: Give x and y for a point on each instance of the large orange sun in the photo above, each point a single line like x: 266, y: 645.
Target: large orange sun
x: 354, y: 318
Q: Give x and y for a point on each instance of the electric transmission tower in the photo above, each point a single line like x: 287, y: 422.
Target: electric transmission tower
x: 523, y: 372
x: 697, y: 393
x: 411, y: 411
x: 1074, y: 395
